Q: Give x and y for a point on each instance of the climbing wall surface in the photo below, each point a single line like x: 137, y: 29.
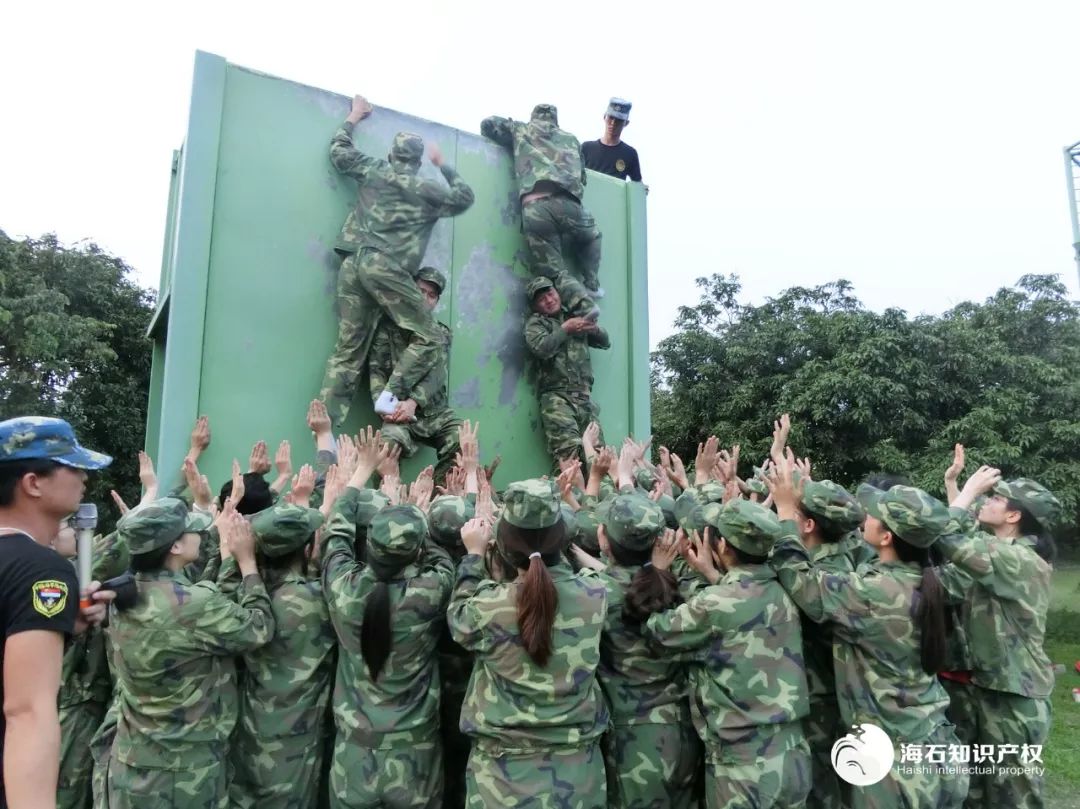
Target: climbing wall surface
x: 246, y: 315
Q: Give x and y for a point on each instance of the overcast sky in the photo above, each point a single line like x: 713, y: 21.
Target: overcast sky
x: 912, y: 148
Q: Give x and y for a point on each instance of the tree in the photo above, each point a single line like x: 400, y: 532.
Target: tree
x: 73, y: 345
x: 871, y: 391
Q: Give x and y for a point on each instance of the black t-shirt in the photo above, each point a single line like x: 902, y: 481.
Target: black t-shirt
x: 619, y: 161
x: 38, y: 590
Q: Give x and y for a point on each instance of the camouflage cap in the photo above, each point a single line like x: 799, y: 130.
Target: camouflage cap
x: 910, y: 513
x: 284, y: 528
x: 395, y: 535
x: 39, y: 438
x: 832, y: 502
x: 531, y: 504
x: 407, y: 147
x: 432, y: 276
x: 748, y: 526
x: 546, y: 112
x: 667, y: 507
x: 757, y: 484
x: 369, y: 502
x: 446, y: 515
x: 538, y: 285
x: 711, y: 491
x: 569, y: 518
x: 158, y: 524
x: 585, y: 523
x: 619, y: 108
x: 687, y: 508
x: 1036, y: 499
x: 645, y: 478
x: 633, y: 522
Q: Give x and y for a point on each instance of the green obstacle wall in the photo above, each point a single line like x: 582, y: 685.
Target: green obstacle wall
x: 246, y: 316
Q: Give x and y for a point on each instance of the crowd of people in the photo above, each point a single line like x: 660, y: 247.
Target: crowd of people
x: 627, y: 633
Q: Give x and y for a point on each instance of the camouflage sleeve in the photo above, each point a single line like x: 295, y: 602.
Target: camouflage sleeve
x: 599, y: 339
x: 449, y: 202
x: 1003, y: 568
x: 209, y: 558
x: 474, y: 606
x: 380, y: 361
x: 438, y: 561
x: 542, y: 339
x: 838, y: 598
x: 223, y: 626
x: 685, y: 631
x: 341, y: 572
x: 111, y: 557
x: 581, y: 157
x: 346, y: 158
x: 957, y: 583
x: 500, y: 130
x: 689, y: 581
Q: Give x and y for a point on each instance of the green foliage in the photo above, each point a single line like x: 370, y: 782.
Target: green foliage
x: 871, y: 392
x: 73, y: 345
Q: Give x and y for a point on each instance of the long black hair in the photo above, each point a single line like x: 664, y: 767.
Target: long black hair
x: 928, y: 606
x: 650, y: 590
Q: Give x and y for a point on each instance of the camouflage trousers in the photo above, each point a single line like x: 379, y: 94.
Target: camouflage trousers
x: 438, y: 431
x: 201, y: 787
x: 565, y: 416
x: 283, y: 773
x: 1011, y: 719
x: 930, y: 785
x: 576, y: 299
x: 101, y: 753
x: 78, y: 724
x: 371, y: 286
x: 409, y: 777
x: 781, y: 781
x: 455, y: 745
x: 822, y: 728
x: 652, y: 765
x: 566, y: 778
x: 559, y: 220
x: 961, y: 710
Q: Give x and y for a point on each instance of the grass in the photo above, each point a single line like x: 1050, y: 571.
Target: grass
x: 1062, y: 750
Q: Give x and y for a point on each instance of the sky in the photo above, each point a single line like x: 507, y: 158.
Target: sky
x: 914, y: 149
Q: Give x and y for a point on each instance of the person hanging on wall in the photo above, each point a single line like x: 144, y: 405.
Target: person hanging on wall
x: 551, y: 184
x: 610, y: 154
x: 423, y: 416
x: 384, y: 239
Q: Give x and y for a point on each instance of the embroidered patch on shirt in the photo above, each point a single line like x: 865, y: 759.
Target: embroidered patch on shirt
x: 49, y: 596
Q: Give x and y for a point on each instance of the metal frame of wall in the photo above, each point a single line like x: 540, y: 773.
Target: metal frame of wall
x: 245, y: 315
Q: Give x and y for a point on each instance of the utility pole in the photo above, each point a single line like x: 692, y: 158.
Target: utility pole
x: 1072, y: 177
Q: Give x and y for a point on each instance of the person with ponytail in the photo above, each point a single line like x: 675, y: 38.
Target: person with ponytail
x: 534, y: 707
x: 653, y: 752
x: 387, y: 613
x: 1007, y: 560
x: 889, y: 633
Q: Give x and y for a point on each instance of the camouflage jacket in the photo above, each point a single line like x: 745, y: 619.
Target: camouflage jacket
x: 877, y: 654
x: 561, y: 361
x: 175, y: 670
x: 396, y: 210
x: 833, y: 557
x: 85, y: 674
x: 387, y: 347
x: 542, y: 152
x: 1004, y: 616
x: 642, y: 686
x: 403, y: 705
x: 513, y: 704
x: 743, y: 638
x: 285, y: 688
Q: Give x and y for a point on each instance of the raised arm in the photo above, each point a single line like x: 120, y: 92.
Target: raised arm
x: 500, y: 130
x: 344, y: 156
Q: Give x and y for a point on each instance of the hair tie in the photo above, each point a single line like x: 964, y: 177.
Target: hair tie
x: 647, y: 564
x: 534, y: 555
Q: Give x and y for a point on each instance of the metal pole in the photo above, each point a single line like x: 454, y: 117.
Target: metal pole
x: 1072, y: 177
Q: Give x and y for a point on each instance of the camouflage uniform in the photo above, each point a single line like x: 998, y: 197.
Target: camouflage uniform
x: 551, y: 181
x: 85, y: 694
x: 446, y: 516
x: 387, y: 751
x: 877, y: 652
x: 743, y: 639
x: 277, y: 750
x: 826, y: 501
x: 1005, y: 624
x: 653, y: 752
x: 535, y: 730
x: 176, y: 676
x: 436, y: 424
x: 385, y: 238
x: 564, y: 377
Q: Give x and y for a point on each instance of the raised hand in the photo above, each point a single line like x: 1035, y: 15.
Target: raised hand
x: 198, y: 484
x: 391, y: 466
x: 347, y: 456
x: 454, y: 483
x: 119, y: 501
x: 485, y: 505
x: 469, y: 456
x: 370, y: 452
x: 332, y: 489
x: 785, y: 492
x: 475, y: 535
x: 421, y: 490
x: 699, y: 554
x: 589, y: 439
x: 200, y: 438
x: 489, y: 470
x: 803, y: 465
x: 318, y: 420
x: 677, y: 473
x: 566, y: 481
x: 237, y: 493
x: 781, y: 429
x: 303, y: 484
x: 665, y: 549
x: 148, y: 478
x: 259, y: 462
x: 707, y: 456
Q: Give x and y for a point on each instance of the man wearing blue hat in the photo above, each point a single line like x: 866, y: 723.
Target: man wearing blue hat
x: 42, y: 480
x: 610, y: 155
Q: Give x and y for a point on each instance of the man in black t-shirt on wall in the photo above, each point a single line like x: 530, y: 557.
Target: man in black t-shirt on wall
x: 42, y: 479
x: 610, y: 155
